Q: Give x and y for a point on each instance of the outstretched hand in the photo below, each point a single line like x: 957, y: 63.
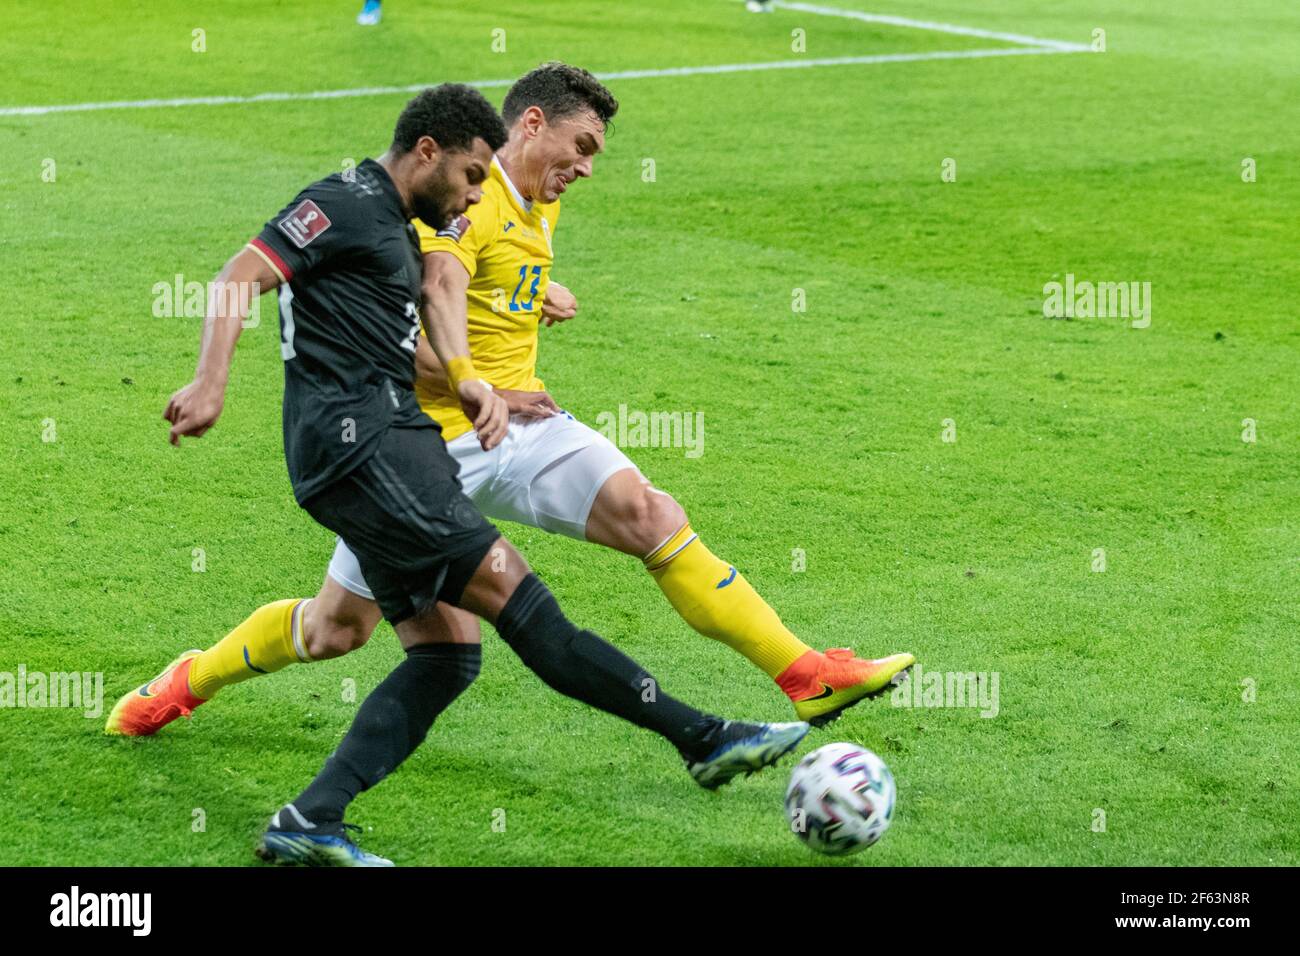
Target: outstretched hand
x: 193, y: 410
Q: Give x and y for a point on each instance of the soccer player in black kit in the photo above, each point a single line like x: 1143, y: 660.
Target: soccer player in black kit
x: 368, y: 464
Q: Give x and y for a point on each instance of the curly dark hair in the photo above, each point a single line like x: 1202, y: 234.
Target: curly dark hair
x: 454, y: 115
x: 560, y: 90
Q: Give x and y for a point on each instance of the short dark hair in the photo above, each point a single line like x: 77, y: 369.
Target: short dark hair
x: 560, y: 90
x: 454, y: 115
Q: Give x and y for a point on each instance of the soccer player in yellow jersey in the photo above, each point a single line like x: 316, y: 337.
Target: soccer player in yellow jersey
x: 492, y: 266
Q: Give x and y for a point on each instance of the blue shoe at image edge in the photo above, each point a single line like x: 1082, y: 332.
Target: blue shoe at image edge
x: 746, y: 748
x: 291, y: 839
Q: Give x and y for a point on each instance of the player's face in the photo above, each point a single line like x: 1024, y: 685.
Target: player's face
x: 563, y: 151
x: 452, y: 185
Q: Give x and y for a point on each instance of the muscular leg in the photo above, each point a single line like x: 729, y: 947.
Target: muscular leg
x: 442, y: 660
x: 575, y: 662
x: 274, y: 636
x: 398, y: 714
x: 631, y: 516
x: 333, y: 623
x: 292, y: 631
x: 336, y: 621
x: 444, y: 625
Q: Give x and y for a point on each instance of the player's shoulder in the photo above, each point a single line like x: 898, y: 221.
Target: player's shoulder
x: 351, y: 207
x: 355, y: 192
x: 483, y: 217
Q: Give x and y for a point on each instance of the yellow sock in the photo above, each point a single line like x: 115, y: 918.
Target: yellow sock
x: 713, y: 597
x: 271, y: 638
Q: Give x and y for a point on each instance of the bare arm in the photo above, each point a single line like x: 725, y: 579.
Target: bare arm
x: 446, y: 326
x: 195, y: 408
x: 445, y: 315
x: 428, y: 370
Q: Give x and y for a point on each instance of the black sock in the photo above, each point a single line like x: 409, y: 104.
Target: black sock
x: 582, y: 666
x: 391, y: 723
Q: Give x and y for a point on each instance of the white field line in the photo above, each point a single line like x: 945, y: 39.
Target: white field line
x: 1061, y: 46
x: 1028, y: 46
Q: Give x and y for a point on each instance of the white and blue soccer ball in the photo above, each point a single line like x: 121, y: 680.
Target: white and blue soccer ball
x: 840, y: 799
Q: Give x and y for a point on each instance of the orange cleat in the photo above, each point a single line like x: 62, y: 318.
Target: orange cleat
x: 823, y: 686
x: 148, y: 709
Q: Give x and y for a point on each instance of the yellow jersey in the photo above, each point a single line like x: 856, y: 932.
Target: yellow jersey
x: 506, y: 249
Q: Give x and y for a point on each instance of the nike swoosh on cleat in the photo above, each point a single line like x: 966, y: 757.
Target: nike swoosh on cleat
x: 729, y: 578
x: 827, y: 690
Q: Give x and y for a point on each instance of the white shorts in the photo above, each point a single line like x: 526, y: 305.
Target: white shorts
x: 546, y: 473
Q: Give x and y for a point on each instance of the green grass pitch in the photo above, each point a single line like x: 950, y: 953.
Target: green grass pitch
x: 1157, y: 695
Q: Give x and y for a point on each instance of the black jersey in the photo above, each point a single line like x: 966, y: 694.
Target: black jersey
x: 349, y: 322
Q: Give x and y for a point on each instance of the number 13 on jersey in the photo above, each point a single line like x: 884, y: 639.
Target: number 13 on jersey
x: 524, y: 273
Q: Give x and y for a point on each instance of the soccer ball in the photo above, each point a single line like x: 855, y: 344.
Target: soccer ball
x: 840, y: 799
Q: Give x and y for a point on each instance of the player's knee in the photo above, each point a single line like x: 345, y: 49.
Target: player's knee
x: 651, y: 516
x: 504, y: 558
x: 337, y: 621
x: 331, y: 637
x: 495, y: 578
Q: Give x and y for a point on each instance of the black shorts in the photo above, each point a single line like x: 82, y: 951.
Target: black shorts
x: 416, y: 535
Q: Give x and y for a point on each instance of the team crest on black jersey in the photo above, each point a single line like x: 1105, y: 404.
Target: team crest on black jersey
x: 304, y: 224
x: 456, y: 229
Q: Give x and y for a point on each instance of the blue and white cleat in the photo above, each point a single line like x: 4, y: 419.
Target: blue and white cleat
x: 370, y: 14
x: 292, y: 839
x: 745, y: 748
x: 758, y: 6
